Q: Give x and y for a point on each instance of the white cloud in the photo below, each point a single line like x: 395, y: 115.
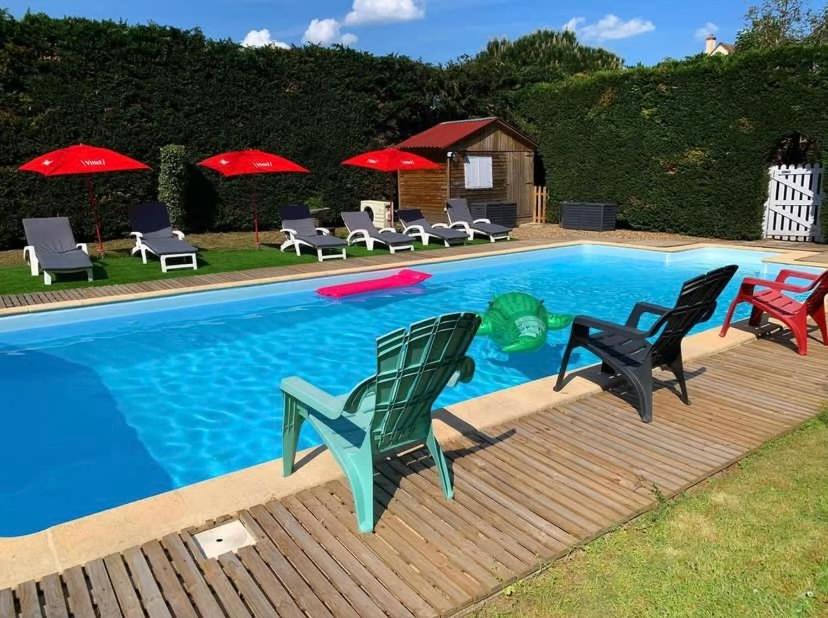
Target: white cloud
x: 572, y: 24
x: 706, y: 30
x: 379, y: 11
x: 349, y: 39
x: 262, y: 38
x: 609, y: 27
x: 327, y: 32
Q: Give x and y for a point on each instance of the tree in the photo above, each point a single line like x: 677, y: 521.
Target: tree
x: 782, y: 22
x: 488, y: 82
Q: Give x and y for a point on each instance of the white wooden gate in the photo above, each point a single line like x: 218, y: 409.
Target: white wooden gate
x: 794, y: 200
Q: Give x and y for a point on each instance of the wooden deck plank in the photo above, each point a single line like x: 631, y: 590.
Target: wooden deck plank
x: 167, y: 578
x: 356, y: 596
x: 525, y: 492
x: 103, y: 595
x: 29, y: 600
x: 122, y: 586
x: 151, y: 598
x: 302, y: 593
x: 249, y: 590
x: 407, y: 596
x: 54, y: 601
x: 218, y: 581
x: 7, y: 604
x: 193, y: 579
x: 427, y: 589
x: 339, y: 552
x: 284, y: 542
x: 80, y: 601
x: 270, y: 585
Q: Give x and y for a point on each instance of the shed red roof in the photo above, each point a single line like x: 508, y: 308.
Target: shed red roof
x: 446, y: 134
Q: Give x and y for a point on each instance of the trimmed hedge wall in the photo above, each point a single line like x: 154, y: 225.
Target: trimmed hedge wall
x: 682, y: 147
x: 138, y: 88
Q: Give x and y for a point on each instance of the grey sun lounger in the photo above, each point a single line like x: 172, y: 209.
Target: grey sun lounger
x: 302, y: 232
x: 154, y: 234
x: 362, y: 229
x: 51, y: 248
x: 631, y: 353
x: 460, y: 218
x: 414, y: 224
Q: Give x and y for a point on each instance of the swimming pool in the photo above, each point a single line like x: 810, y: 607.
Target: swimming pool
x: 108, y: 404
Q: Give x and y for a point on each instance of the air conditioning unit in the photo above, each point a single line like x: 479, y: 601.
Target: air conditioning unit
x: 379, y: 211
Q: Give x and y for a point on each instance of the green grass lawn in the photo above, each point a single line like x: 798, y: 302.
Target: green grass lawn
x: 752, y: 542
x: 120, y: 267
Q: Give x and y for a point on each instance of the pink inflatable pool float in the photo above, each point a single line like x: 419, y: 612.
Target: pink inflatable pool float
x: 402, y: 279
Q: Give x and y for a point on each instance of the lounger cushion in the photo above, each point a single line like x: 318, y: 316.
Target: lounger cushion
x: 394, y: 238
x: 490, y: 228
x: 68, y: 261
x: 321, y: 241
x: 168, y: 246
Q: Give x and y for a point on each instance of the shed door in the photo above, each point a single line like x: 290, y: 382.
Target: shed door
x: 520, y: 181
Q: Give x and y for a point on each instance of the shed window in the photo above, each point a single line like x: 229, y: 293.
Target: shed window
x: 478, y: 171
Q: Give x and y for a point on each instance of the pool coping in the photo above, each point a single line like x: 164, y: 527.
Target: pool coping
x: 93, y: 536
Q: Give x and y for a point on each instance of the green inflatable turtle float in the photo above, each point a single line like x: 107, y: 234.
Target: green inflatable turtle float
x: 518, y: 322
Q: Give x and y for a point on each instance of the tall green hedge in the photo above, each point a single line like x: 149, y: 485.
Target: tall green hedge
x: 138, y: 88
x: 685, y: 146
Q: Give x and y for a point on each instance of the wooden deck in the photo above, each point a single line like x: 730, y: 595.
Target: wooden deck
x: 526, y: 493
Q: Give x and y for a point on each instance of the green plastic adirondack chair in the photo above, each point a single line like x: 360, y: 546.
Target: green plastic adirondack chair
x: 388, y: 412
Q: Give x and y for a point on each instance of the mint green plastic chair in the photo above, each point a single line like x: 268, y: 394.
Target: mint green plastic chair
x: 388, y: 412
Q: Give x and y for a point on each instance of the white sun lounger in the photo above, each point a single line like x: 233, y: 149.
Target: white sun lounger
x: 362, y: 229
x: 154, y: 234
x: 51, y: 248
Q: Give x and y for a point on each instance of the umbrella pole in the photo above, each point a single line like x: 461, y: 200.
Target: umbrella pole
x: 93, y: 204
x: 255, y: 214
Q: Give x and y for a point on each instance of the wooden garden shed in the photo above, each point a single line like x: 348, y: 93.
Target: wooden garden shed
x: 485, y: 160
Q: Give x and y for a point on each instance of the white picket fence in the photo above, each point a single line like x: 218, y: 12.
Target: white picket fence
x: 794, y: 200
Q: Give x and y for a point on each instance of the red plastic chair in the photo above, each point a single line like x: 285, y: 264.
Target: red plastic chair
x: 775, y: 303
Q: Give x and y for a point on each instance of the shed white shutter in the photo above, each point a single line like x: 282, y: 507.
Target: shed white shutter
x: 478, y: 172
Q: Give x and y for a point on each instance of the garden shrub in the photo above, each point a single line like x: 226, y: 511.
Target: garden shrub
x: 684, y: 146
x: 172, y: 181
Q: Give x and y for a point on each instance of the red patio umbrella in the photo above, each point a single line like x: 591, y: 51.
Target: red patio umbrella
x: 85, y: 160
x: 248, y: 162
x: 391, y: 160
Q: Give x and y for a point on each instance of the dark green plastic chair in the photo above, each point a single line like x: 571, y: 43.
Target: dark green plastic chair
x: 388, y: 412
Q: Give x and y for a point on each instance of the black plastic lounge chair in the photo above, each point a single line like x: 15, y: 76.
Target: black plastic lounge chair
x: 362, y: 229
x: 460, y: 218
x: 301, y: 231
x: 51, y: 248
x: 414, y: 224
x: 154, y: 234
x: 626, y: 350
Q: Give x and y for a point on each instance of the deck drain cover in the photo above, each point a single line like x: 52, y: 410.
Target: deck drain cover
x: 224, y: 538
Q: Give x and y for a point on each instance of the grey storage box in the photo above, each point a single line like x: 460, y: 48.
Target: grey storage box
x: 593, y: 216
x: 500, y: 213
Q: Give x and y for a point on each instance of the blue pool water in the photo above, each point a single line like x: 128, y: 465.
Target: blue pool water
x: 105, y: 405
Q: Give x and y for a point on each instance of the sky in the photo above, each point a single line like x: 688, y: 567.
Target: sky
x: 640, y: 31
